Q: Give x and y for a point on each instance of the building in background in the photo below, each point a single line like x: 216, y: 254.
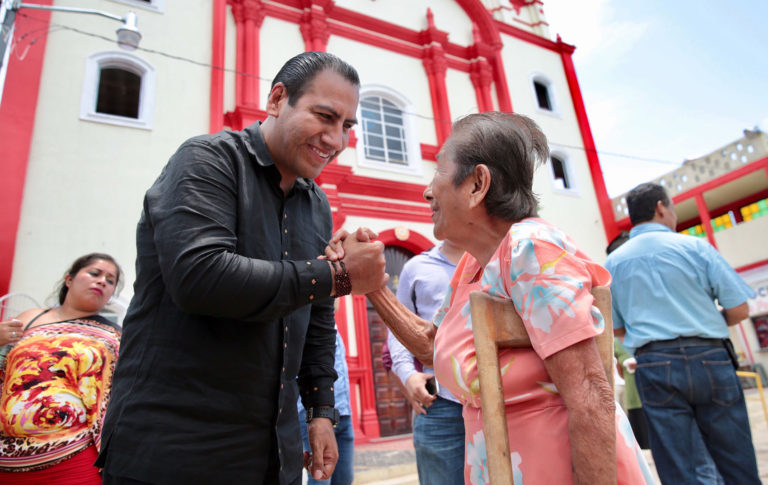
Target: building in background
x: 86, y: 128
x: 723, y: 197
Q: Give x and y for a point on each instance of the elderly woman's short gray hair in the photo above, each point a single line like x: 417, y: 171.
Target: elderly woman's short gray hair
x: 512, y: 146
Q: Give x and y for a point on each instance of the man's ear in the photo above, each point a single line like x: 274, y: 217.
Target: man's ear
x: 659, y: 209
x: 481, y: 184
x: 278, y: 96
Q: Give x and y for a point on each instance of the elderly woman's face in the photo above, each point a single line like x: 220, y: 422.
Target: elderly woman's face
x: 446, y: 200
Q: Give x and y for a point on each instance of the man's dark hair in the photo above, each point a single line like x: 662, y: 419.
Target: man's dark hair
x: 642, y: 200
x: 617, y: 241
x: 298, y: 72
x: 511, y: 146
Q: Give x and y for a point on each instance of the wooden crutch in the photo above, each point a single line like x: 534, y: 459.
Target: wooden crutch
x: 495, y: 325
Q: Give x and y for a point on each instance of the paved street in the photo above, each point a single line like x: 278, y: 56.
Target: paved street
x: 392, y: 462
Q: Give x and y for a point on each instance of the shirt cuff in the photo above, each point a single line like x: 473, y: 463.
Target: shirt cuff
x: 320, y: 393
x: 315, y: 280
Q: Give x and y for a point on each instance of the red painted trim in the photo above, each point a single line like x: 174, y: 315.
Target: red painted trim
x: 500, y: 79
x: 732, y: 206
x: 750, y: 266
x: 701, y: 205
x: 761, y: 164
x: 429, y: 152
x: 218, y: 46
x: 722, y: 180
x: 357, y: 184
x: 415, y: 242
x: 384, y: 210
x: 529, y: 37
x: 601, y: 193
x: 369, y: 419
x: 17, y: 122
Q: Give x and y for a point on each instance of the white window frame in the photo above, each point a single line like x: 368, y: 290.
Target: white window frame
x: 569, y: 174
x: 545, y: 81
x: 410, y: 130
x: 153, y: 5
x: 129, y: 62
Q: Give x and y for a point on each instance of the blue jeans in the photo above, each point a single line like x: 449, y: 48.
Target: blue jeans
x: 345, y: 439
x: 438, y: 438
x: 694, y: 390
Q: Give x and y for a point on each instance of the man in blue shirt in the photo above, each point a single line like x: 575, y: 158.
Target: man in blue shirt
x: 664, y: 289
x: 344, y: 472
x: 438, y: 429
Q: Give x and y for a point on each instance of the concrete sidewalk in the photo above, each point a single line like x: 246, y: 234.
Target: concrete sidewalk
x: 391, y: 461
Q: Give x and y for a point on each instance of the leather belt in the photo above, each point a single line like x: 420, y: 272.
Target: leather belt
x: 678, y: 343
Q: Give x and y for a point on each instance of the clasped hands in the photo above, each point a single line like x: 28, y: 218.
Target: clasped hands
x: 362, y: 256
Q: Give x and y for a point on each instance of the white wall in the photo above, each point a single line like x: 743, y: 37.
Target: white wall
x: 85, y: 181
x: 575, y: 211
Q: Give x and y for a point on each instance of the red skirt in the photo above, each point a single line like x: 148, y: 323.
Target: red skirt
x: 78, y: 470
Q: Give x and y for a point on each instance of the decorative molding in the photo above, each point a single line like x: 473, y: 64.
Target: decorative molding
x: 314, y: 29
x: 243, y: 116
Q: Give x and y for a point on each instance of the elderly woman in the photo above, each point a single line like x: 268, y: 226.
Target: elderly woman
x: 56, y: 381
x: 561, y: 419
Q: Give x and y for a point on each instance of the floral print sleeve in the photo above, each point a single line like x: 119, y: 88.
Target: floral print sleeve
x: 550, y: 284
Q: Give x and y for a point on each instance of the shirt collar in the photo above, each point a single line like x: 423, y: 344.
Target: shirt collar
x: 648, y: 227
x: 257, y: 148
x: 435, y: 253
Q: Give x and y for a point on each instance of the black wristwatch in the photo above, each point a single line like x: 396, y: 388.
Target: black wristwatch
x: 330, y: 413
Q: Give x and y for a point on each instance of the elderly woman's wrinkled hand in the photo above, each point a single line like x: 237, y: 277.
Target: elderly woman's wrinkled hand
x: 334, y: 251
x: 10, y: 331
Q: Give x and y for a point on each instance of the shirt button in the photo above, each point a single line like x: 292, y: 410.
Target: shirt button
x: 286, y: 328
x: 331, y: 388
x: 283, y: 369
x: 285, y: 231
x: 281, y: 386
x: 309, y: 263
x: 285, y: 345
x: 311, y: 297
x: 286, y: 253
x: 285, y: 216
x: 314, y: 281
x: 315, y: 389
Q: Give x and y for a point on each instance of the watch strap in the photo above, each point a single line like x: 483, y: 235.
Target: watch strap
x: 330, y: 413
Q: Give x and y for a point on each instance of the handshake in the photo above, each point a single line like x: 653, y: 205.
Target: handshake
x: 362, y: 258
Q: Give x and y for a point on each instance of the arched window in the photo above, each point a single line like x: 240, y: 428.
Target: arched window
x: 544, y: 94
x: 387, y: 138
x: 119, y: 89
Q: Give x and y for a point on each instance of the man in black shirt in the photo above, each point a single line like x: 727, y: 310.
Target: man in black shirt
x: 231, y: 303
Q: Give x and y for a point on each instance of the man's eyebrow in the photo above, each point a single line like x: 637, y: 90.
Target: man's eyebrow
x: 334, y: 113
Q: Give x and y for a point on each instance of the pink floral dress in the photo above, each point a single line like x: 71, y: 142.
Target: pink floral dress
x: 549, y: 280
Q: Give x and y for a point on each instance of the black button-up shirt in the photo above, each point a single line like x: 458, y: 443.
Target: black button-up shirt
x: 230, y: 306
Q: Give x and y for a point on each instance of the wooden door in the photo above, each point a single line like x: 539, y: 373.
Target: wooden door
x: 392, y: 408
